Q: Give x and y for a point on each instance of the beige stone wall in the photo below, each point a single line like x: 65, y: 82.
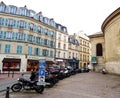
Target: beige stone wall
x: 112, y: 40
x: 100, y: 59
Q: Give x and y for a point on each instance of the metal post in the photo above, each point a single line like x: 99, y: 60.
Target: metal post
x: 12, y: 73
x: 8, y: 73
x: 7, y: 92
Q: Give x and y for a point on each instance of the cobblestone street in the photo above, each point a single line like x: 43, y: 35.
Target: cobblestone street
x: 83, y: 85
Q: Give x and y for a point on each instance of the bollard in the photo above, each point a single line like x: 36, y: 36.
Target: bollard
x: 12, y: 74
x: 8, y: 73
x: 7, y: 92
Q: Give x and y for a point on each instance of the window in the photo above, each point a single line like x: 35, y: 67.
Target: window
x: 12, y: 10
x: 64, y: 46
x: 9, y: 35
x: 39, y: 29
x: 20, y: 36
x: 1, y: 21
x: 64, y: 55
x: 99, y: 50
x: 46, y: 20
x: 30, y: 38
x: 10, y: 22
x: 7, y: 48
x: 59, y: 27
x: 19, y: 49
x: 58, y: 45
x: 51, y: 53
x: 59, y: 54
x: 65, y: 38
x: 69, y: 54
x: 22, y: 24
x: 46, y: 31
x: 45, y: 41
x: 32, y: 13
x: 37, y: 51
x: 45, y: 52
x: 59, y: 36
x: 31, y: 26
x: 23, y: 12
x: 2, y: 8
x: 73, y: 55
x: 0, y: 48
x: 29, y: 50
x: 1, y: 34
x: 38, y: 40
x: 51, y: 43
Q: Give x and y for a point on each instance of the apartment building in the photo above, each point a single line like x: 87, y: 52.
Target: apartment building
x: 25, y: 37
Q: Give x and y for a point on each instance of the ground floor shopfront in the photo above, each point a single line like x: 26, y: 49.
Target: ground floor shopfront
x: 21, y: 63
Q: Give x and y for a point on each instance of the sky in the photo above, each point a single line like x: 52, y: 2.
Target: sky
x: 77, y: 15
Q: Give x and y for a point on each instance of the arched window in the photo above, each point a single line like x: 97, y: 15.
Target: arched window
x: 99, y: 51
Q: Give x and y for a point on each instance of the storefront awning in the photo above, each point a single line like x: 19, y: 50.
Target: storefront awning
x: 11, y: 60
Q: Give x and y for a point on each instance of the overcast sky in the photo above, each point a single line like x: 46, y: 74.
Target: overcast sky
x: 76, y: 15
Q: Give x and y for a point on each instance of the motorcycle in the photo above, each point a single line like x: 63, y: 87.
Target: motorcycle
x: 27, y: 85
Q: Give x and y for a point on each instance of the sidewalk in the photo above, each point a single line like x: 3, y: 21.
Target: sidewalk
x: 6, y: 80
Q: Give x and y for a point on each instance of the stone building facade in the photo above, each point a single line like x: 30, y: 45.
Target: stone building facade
x: 25, y: 37
x: 106, y: 46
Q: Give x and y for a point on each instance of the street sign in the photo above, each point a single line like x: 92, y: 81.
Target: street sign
x: 42, y: 72
x: 42, y: 67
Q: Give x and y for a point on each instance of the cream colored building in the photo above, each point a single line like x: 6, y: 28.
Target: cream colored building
x: 25, y: 37
x: 79, y: 49
x: 73, y: 51
x: 106, y: 45
x: 61, y: 45
x: 84, y: 50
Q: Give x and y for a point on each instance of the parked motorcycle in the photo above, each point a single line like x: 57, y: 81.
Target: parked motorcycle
x: 27, y: 85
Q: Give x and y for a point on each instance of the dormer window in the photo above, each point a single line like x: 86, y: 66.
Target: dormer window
x: 2, y: 8
x: 45, y: 20
x: 32, y: 13
x: 59, y: 27
x: 23, y: 12
x: 64, y: 29
x: 12, y: 9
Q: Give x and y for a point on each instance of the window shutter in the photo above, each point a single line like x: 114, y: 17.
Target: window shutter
x: 16, y: 36
x: 1, y: 34
x: 14, y: 23
x: 5, y: 35
x: 13, y: 35
x: 6, y: 22
x: 3, y: 21
x: 18, y: 24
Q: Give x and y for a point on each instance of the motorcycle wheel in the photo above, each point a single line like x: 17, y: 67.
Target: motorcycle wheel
x: 16, y: 87
x: 39, y: 89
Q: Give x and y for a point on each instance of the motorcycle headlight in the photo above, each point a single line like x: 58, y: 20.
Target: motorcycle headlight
x: 18, y: 79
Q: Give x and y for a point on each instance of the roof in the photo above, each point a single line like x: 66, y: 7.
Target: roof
x: 109, y: 18
x: 97, y: 34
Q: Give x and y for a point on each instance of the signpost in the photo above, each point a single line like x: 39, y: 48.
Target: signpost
x: 42, y: 67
